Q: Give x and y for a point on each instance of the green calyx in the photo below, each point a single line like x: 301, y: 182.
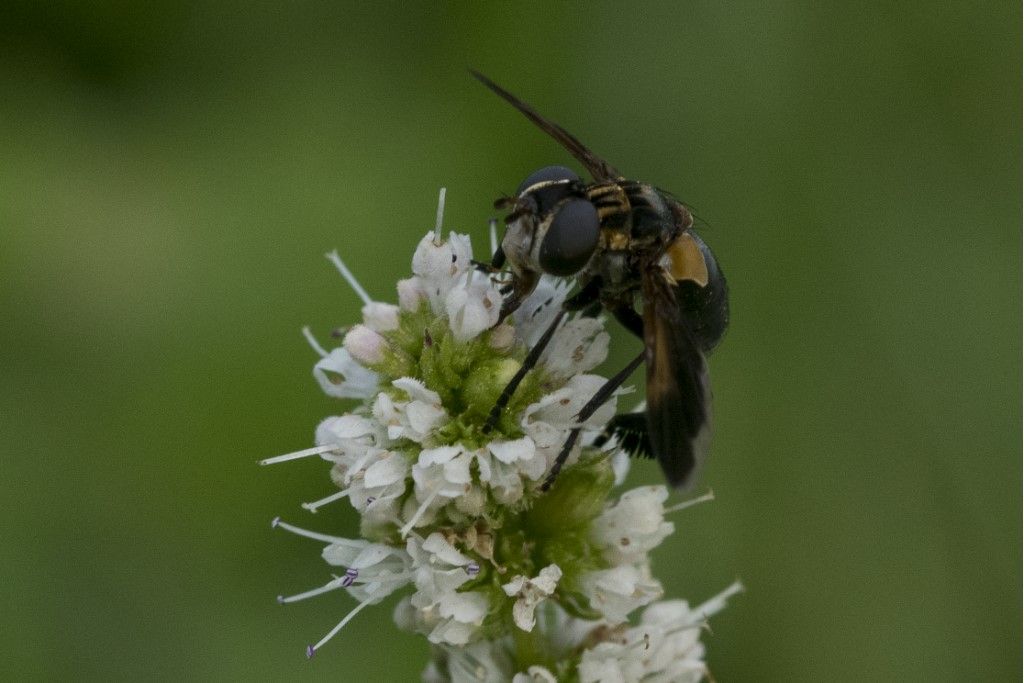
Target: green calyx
x: 469, y: 376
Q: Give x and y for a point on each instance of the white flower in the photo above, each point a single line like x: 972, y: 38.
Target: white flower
x: 365, y: 345
x: 671, y: 636
x: 437, y: 608
x: 634, y: 525
x: 440, y: 569
x: 579, y: 345
x: 610, y: 663
x: 439, y: 475
x: 549, y: 421
x: 341, y: 376
x: 374, y: 570
x: 472, y: 502
x: 380, y: 317
x: 535, y: 674
x: 472, y: 306
x: 440, y: 264
x: 480, y: 662
x: 663, y: 648
x: 351, y: 435
x: 560, y: 408
x: 503, y: 464
x: 530, y: 592
x: 461, y: 615
x: 376, y: 489
x: 413, y: 419
x: 617, y: 591
x: 537, y: 311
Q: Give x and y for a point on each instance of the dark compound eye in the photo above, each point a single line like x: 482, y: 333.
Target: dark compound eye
x: 571, y: 238
x: 547, y: 197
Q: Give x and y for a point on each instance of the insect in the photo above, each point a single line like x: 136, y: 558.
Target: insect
x: 627, y: 243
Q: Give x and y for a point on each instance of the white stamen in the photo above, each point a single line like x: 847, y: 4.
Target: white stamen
x: 305, y: 532
x: 316, y: 450
x: 716, y: 604
x: 308, y: 334
x: 316, y: 504
x: 311, y: 650
x: 440, y: 217
x: 492, y: 228
x: 349, y: 277
x: 326, y: 588
x: 339, y: 582
x: 708, y: 608
x: 419, y: 513
x: 707, y: 497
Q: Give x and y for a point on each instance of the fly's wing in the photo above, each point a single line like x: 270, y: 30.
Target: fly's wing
x: 600, y: 169
x: 630, y: 433
x: 678, y: 386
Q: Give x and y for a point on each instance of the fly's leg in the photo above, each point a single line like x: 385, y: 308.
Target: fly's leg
x: 582, y: 299
x: 528, y: 364
x: 598, y: 399
x: 630, y: 319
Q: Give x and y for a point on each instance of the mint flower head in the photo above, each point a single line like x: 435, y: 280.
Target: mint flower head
x: 505, y: 581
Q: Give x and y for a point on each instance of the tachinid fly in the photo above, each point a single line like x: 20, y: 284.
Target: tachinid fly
x: 626, y: 243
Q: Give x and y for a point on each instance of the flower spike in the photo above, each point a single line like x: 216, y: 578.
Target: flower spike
x: 453, y: 515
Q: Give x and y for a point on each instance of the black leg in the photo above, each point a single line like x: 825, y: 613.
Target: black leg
x: 498, y: 260
x: 582, y: 299
x: 630, y: 319
x: 528, y: 364
x: 574, y: 435
x: 602, y: 395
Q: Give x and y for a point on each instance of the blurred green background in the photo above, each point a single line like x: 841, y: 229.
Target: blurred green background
x: 171, y: 174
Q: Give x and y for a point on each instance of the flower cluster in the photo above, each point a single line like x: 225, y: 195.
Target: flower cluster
x: 503, y: 579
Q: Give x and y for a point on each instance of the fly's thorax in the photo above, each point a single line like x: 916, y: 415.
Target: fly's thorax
x: 637, y: 226
x: 611, y: 202
x: 653, y: 221
x: 618, y: 273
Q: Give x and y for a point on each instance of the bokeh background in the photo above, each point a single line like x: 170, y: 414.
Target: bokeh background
x: 171, y: 174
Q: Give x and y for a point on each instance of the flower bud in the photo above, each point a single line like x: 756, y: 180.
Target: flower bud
x: 411, y: 294
x: 365, y: 345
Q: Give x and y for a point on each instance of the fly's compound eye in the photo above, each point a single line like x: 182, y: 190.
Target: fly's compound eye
x: 553, y: 182
x: 570, y: 239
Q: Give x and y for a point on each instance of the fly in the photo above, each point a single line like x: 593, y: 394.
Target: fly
x: 627, y: 244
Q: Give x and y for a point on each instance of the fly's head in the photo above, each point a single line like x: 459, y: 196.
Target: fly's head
x: 552, y: 228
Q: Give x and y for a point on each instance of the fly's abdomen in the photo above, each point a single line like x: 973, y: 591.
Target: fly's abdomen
x: 705, y: 306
